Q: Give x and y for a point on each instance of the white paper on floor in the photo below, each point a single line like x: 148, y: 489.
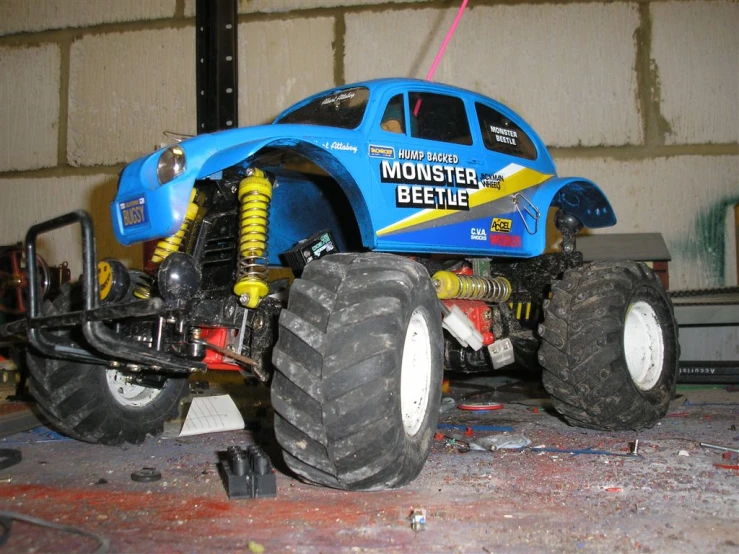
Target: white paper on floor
x: 212, y: 414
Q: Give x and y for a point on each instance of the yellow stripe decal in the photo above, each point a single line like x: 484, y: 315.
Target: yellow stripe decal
x: 519, y: 180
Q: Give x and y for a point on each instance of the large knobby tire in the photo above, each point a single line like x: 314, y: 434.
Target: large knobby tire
x: 609, y: 346
x: 359, y: 365
x: 94, y: 404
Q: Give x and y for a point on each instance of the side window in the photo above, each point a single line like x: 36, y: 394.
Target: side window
x: 500, y: 134
x: 393, y: 120
x: 439, y: 117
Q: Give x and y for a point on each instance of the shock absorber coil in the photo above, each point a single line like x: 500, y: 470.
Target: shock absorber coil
x: 255, y: 195
x: 488, y: 289
x: 167, y: 246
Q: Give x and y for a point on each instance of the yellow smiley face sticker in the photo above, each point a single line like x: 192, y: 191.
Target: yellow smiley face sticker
x: 105, y: 278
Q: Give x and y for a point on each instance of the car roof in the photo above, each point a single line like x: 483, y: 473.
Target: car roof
x: 381, y: 85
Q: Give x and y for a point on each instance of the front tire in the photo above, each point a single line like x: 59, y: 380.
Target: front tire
x: 359, y: 365
x: 94, y: 404
x: 98, y: 405
x: 609, y: 346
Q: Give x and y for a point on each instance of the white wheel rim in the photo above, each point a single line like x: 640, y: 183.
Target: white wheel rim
x: 644, y: 347
x: 415, y: 373
x: 127, y: 393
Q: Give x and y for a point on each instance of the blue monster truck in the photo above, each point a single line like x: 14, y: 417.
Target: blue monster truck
x: 371, y: 236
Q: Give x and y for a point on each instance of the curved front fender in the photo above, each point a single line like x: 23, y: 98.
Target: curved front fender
x: 159, y: 209
x: 327, y: 161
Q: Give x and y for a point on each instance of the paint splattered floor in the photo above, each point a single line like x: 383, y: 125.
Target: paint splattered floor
x: 674, y: 496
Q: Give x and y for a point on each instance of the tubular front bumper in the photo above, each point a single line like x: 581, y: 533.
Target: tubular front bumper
x: 105, y: 345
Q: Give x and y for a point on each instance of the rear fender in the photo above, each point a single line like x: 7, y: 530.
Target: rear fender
x: 579, y: 197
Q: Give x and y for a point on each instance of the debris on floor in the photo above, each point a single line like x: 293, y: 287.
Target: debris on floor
x: 9, y: 457
x: 500, y: 442
x: 480, y: 406
x: 573, y: 490
x: 145, y: 475
x: 212, y: 414
x: 447, y: 404
x: 418, y: 519
x: 247, y: 473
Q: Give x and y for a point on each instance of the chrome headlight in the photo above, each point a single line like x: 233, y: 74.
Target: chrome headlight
x: 171, y: 164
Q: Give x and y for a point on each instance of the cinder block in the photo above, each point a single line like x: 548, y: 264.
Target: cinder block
x: 125, y: 90
x: 29, y: 107
x: 30, y: 201
x: 278, y: 6
x: 568, y: 69
x: 695, y: 49
x: 280, y: 63
x: 686, y: 198
x: 17, y: 16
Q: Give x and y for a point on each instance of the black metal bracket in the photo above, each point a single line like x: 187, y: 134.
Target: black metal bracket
x: 92, y: 317
x: 216, y: 49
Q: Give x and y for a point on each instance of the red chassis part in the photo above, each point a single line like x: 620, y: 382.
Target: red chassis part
x: 479, y: 314
x: 217, y: 336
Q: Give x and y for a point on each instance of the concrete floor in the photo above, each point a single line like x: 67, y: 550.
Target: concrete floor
x: 673, y: 497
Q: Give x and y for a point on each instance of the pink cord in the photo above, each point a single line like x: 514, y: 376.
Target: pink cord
x: 441, y: 50
x: 446, y: 40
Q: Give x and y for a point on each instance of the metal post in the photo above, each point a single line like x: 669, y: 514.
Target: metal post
x: 216, y: 49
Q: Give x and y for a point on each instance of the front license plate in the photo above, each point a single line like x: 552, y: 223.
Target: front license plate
x: 133, y: 212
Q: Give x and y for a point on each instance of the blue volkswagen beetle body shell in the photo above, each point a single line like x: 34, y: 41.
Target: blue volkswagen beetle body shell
x: 415, y: 189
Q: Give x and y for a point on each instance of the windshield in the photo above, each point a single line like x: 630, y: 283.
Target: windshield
x: 344, y: 109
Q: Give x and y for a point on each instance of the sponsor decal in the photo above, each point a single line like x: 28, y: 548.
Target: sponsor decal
x: 133, y: 212
x: 506, y: 241
x: 478, y: 233
x: 491, y: 180
x: 341, y: 146
x: 506, y: 136
x: 435, y: 157
x: 376, y: 151
x: 416, y: 155
x: 431, y: 197
x: 427, y: 174
x: 501, y: 225
x: 337, y: 98
x: 516, y: 177
x: 420, y: 184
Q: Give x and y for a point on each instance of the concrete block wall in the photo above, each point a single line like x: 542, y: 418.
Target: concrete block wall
x: 640, y: 96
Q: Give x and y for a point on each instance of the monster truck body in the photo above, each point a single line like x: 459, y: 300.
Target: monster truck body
x: 435, y: 192
x: 433, y: 204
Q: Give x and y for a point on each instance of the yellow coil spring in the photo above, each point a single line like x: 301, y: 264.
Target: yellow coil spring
x: 255, y: 195
x: 168, y: 245
x: 488, y: 289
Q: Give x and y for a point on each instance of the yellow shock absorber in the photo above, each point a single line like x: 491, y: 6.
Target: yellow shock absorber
x: 255, y: 195
x: 167, y: 246
x: 488, y: 289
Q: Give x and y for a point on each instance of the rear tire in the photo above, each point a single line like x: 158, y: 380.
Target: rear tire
x: 359, y: 366
x: 94, y: 404
x: 609, y: 346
